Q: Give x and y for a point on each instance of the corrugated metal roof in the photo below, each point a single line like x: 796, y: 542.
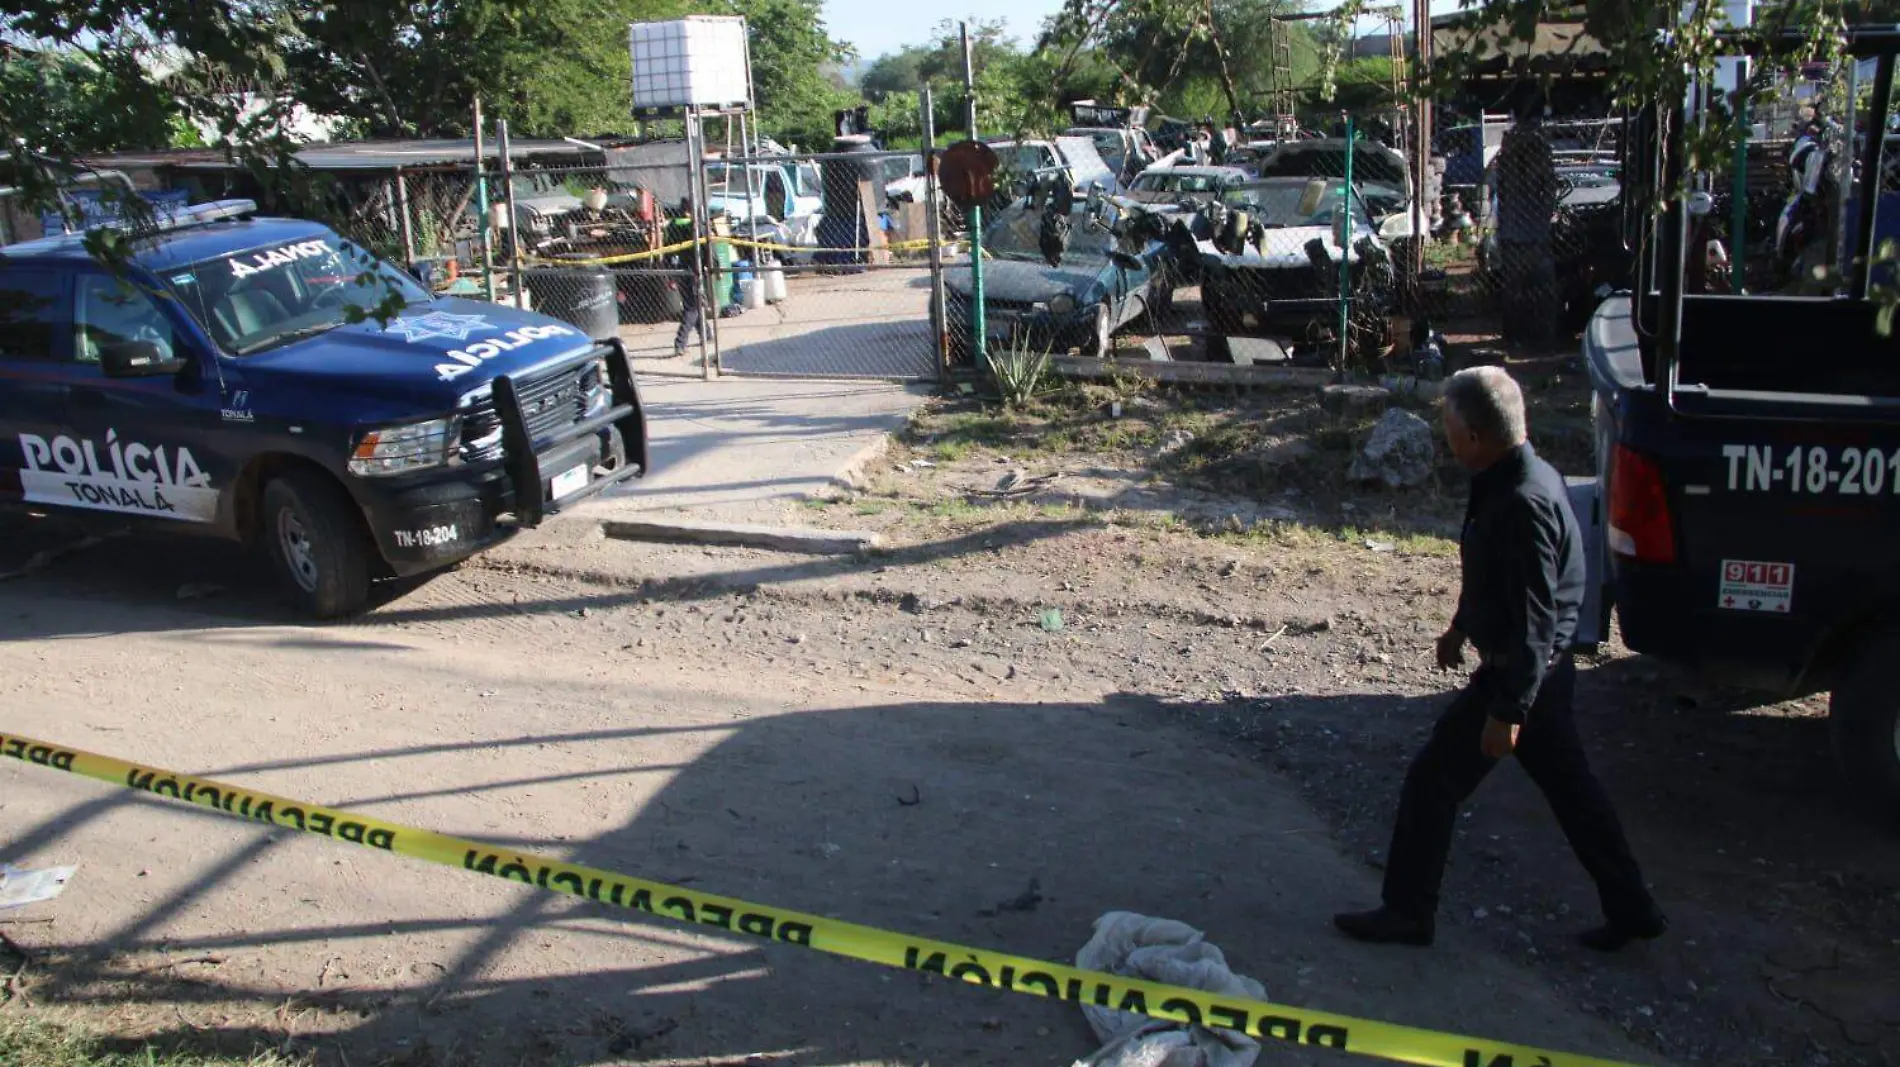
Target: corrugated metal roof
x: 1553, y: 40
x: 367, y: 155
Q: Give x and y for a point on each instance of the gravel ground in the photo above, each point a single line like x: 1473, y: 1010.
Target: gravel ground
x: 1247, y: 676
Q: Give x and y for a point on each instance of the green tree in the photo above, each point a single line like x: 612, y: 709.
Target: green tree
x: 792, y: 51
x: 901, y: 71
x: 1196, y: 58
x: 1359, y: 86
x: 77, y: 101
x: 1006, y: 81
x: 549, y: 67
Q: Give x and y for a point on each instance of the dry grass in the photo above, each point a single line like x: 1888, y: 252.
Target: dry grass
x: 33, y: 1043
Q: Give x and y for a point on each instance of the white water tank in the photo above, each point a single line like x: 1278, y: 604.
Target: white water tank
x: 697, y: 61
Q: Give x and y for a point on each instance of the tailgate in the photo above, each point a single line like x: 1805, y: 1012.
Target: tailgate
x: 1785, y: 531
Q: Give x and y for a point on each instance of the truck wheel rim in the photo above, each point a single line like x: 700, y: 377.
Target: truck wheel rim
x: 299, y: 556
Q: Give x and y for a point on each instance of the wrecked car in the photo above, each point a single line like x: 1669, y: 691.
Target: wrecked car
x: 1381, y: 175
x: 1093, y: 288
x: 1271, y: 253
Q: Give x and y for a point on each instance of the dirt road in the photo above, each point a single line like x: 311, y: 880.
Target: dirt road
x: 853, y: 738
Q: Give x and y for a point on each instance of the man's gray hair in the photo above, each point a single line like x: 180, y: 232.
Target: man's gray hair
x: 1489, y: 403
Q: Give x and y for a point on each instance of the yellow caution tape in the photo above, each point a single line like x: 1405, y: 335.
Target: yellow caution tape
x: 631, y: 257
x: 981, y: 967
x: 894, y: 246
x: 767, y: 246
x: 608, y: 261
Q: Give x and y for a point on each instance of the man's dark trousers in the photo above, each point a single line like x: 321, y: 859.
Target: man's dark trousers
x: 692, y: 320
x: 1450, y: 769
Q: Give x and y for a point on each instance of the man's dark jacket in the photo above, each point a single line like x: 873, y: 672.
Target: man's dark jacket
x: 1523, y: 577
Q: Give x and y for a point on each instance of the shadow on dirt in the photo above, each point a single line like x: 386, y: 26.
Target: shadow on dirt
x: 924, y: 817
x: 1779, y: 889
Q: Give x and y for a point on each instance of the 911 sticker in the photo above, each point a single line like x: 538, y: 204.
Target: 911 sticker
x: 1812, y: 469
x: 1751, y: 586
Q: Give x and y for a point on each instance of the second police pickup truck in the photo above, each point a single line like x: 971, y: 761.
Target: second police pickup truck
x: 215, y: 383
x: 1748, y: 453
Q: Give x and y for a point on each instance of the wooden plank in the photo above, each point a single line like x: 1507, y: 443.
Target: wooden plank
x: 879, y: 243
x: 1207, y: 373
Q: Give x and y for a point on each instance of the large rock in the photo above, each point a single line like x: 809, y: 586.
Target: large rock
x: 1400, y: 452
x: 1351, y: 400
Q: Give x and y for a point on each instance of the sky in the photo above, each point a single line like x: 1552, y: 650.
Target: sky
x: 880, y: 26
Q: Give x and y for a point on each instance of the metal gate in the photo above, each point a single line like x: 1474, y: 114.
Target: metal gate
x: 822, y: 265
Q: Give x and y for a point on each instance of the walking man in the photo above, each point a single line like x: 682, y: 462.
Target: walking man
x: 692, y: 319
x: 1522, y: 588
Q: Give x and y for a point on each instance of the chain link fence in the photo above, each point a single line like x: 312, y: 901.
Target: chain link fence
x: 1302, y: 251
x: 1532, y: 221
x: 822, y: 264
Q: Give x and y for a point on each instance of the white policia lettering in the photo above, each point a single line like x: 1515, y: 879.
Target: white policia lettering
x: 474, y: 355
x: 277, y: 257
x: 164, y: 481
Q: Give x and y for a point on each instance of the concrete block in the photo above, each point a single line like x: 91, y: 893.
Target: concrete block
x: 776, y: 538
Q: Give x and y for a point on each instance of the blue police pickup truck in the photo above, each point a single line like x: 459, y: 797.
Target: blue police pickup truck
x: 216, y: 383
x: 1748, y: 457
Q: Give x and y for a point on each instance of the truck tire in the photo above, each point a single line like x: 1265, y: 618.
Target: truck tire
x: 1864, y: 721
x: 314, y: 535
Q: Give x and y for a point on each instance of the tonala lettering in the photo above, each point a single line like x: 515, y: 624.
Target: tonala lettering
x: 259, y: 262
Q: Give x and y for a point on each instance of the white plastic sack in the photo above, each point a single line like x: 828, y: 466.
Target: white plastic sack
x: 1162, y: 950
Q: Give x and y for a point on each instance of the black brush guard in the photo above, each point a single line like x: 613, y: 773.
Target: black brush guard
x: 521, y: 450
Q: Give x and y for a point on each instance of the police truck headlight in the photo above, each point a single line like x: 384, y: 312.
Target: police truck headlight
x: 412, y: 446
x: 1062, y: 304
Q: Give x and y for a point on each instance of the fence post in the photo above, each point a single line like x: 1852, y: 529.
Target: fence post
x: 703, y: 259
x: 939, y: 327
x: 979, y: 324
x: 514, y: 220
x: 408, y: 231
x: 481, y: 195
x: 1345, y: 259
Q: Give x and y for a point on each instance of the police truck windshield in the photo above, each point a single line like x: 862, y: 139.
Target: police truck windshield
x: 261, y: 298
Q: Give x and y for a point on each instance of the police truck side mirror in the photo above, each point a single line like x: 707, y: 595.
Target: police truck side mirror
x: 137, y: 359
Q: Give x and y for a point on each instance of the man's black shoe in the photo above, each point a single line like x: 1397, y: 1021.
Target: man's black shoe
x: 1383, y: 926
x: 1613, y: 937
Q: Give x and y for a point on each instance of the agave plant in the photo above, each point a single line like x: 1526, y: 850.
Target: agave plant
x: 1021, y: 370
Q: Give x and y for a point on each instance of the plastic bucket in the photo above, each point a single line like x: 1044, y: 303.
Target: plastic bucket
x: 751, y: 294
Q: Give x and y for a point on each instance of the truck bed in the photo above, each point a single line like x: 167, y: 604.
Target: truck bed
x: 1781, y: 471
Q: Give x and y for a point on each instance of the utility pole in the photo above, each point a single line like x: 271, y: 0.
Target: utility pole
x: 969, y: 79
x: 979, y: 320
x: 1421, y: 131
x: 514, y: 220
x: 933, y: 203
x: 481, y: 198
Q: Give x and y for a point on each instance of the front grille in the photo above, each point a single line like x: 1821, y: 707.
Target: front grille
x: 549, y: 401
x: 992, y: 304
